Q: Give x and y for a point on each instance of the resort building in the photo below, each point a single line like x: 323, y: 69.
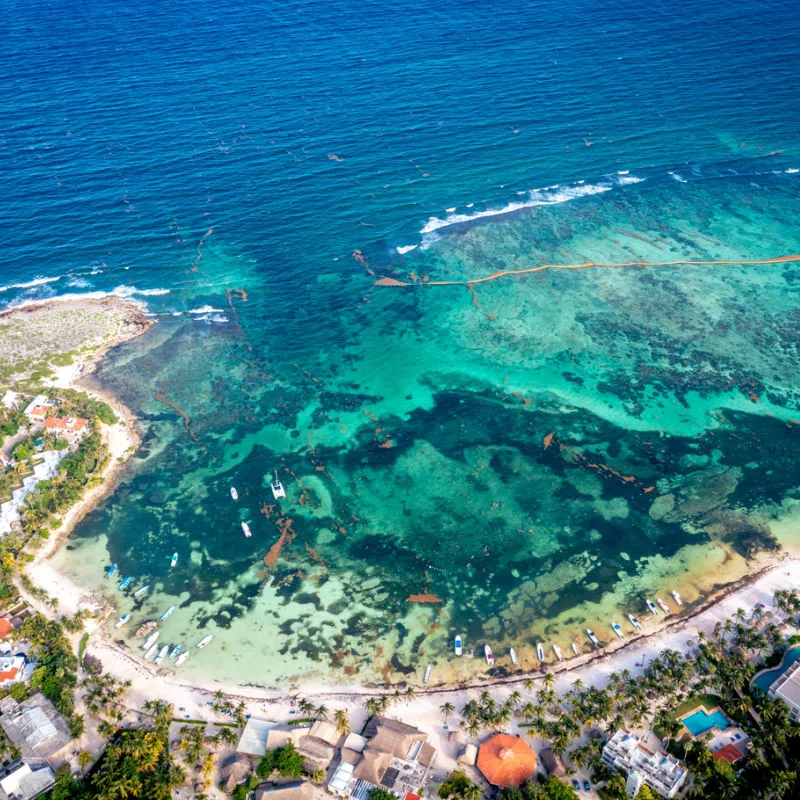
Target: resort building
x: 295, y: 790
x: 70, y: 428
x: 34, y: 726
x: 787, y: 688
x: 11, y: 669
x: 38, y: 409
x: 25, y: 780
x: 394, y: 757
x: 663, y: 773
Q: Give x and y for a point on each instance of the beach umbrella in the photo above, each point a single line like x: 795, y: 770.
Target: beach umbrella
x: 506, y: 760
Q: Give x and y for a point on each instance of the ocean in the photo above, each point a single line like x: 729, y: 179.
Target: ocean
x: 510, y: 460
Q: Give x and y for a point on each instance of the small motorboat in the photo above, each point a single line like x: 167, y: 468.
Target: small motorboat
x: 124, y: 583
x: 143, y: 590
x: 122, y: 620
x: 617, y: 629
x: 111, y: 571
x: 651, y: 607
x: 168, y: 613
x: 162, y: 654
x: 181, y: 659
x: 540, y: 651
x: 151, y: 640
x: 151, y: 652
x: 635, y: 622
x: 234, y: 493
x: 557, y: 651
x: 514, y: 660
x: 459, y: 647
x: 246, y: 528
x: 173, y: 561
x: 204, y: 642
x: 677, y: 598
x: 592, y: 638
x: 277, y: 488
x: 662, y: 605
x: 576, y: 649
x: 175, y: 652
x: 487, y: 651
x: 428, y: 671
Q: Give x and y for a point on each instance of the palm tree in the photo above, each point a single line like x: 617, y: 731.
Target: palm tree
x: 529, y: 684
x: 371, y: 705
x: 447, y: 709
x: 410, y: 694
x: 342, y: 723
x: 321, y: 712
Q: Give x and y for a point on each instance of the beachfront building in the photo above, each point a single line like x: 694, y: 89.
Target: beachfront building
x: 12, y: 669
x: 34, y: 726
x: 38, y: 409
x: 73, y: 429
x: 294, y: 790
x: 787, y: 688
x: 394, y: 757
x: 660, y: 771
x: 26, y: 780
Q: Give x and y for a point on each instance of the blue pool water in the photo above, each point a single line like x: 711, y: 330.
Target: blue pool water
x: 701, y: 721
x: 766, y: 679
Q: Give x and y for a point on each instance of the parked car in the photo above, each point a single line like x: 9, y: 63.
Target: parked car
x: 586, y: 787
x: 576, y: 785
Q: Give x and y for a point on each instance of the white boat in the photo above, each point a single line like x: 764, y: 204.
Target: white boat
x: 124, y: 583
x: 168, y: 613
x: 203, y: 642
x: 617, y: 629
x: 428, y: 671
x: 677, y: 598
x: 459, y: 648
x: 234, y: 493
x: 151, y: 652
x: 174, y: 561
x: 140, y: 592
x: 175, y: 652
x: 592, y: 638
x: 122, y: 620
x: 487, y: 651
x: 246, y: 528
x: 277, y: 488
x: 651, y: 607
x: 557, y: 651
x: 662, y: 605
x: 540, y: 651
x: 181, y: 658
x: 162, y: 654
x: 635, y: 622
x: 151, y: 640
x: 514, y: 660
x: 576, y: 649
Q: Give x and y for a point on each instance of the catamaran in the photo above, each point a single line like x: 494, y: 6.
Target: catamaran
x: 246, y: 528
x: 635, y: 622
x: 487, y: 651
x: 459, y: 648
x: 557, y: 651
x: 151, y: 652
x: 540, y: 651
x: 151, y: 640
x: 124, y: 583
x: 203, y: 642
x: 662, y: 605
x: 592, y: 638
x: 513, y: 653
x: 143, y: 590
x: 428, y: 671
x: 576, y: 649
x: 234, y: 493
x: 162, y: 654
x: 111, y: 570
x: 651, y: 607
x: 122, y: 620
x: 168, y: 613
x: 181, y: 658
x: 677, y: 598
x: 175, y: 651
x: 174, y: 561
x: 617, y: 629
x: 277, y: 488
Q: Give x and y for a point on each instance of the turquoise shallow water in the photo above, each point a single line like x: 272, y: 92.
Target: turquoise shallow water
x: 530, y: 454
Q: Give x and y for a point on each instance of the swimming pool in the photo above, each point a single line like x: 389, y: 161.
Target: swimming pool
x: 766, y: 679
x: 700, y: 721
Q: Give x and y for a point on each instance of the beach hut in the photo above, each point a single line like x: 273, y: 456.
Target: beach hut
x: 234, y: 772
x: 506, y: 760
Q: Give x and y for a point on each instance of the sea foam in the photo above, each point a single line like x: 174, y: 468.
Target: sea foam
x: 29, y: 284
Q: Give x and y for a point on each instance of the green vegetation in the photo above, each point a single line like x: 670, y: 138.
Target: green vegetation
x: 546, y: 789
x: 285, y: 760
x: 380, y: 794
x: 457, y: 786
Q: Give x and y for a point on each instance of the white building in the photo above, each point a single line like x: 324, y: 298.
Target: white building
x: 38, y: 408
x: 45, y: 468
x: 10, y: 400
x: 663, y: 773
x: 24, y: 781
x: 70, y: 428
x: 787, y: 688
x: 11, y: 669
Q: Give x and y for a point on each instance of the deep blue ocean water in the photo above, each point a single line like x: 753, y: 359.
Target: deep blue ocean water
x: 536, y: 453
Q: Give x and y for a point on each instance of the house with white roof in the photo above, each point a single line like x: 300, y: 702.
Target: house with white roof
x: 38, y: 408
x: 10, y: 400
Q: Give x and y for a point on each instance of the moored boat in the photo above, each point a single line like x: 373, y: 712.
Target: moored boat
x: 576, y: 649
x: 111, y: 571
x: 173, y: 561
x: 487, y: 651
x: 662, y: 605
x: 162, y: 654
x: 617, y: 629
x: 168, y: 613
x: 203, y: 642
x: 514, y: 660
x: 557, y: 651
x: 151, y: 640
x: 635, y: 622
x: 540, y: 651
x: 122, y: 620
x: 246, y: 528
x: 143, y: 590
x: 124, y: 583
x: 151, y: 652
x: 427, y: 676
x: 277, y: 488
x: 459, y: 646
x: 592, y: 638
x: 175, y: 651
x: 234, y: 493
x: 651, y: 607
x: 677, y: 598
x: 181, y: 658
